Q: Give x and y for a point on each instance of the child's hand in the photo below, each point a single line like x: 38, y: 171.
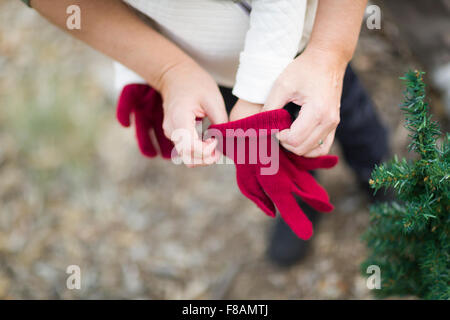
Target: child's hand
x: 243, y: 109
x: 188, y: 93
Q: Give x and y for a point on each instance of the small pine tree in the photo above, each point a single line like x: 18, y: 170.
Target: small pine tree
x: 408, y: 239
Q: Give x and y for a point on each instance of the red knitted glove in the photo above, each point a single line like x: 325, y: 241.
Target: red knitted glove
x: 146, y: 104
x: 278, y: 189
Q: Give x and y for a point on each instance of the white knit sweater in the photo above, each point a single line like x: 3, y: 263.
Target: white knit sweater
x: 242, y: 51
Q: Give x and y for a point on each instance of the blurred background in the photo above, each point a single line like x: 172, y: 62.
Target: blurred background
x: 74, y: 189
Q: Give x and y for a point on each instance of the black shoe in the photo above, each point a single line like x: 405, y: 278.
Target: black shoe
x: 285, y: 248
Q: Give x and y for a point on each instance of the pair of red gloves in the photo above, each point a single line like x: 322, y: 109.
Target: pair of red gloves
x: 267, y: 191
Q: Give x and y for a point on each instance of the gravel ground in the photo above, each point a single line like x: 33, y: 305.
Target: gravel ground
x: 74, y: 189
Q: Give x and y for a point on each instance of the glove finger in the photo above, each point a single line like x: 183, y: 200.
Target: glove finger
x: 284, y: 200
x: 165, y: 145
x: 294, y: 216
x: 314, y: 201
x: 306, y: 182
x: 123, y: 114
x: 305, y: 185
x: 143, y: 127
x: 323, y: 162
x: 127, y: 102
x: 307, y: 188
x: 251, y: 188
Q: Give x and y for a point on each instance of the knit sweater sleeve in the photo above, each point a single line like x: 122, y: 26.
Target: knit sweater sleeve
x: 271, y: 43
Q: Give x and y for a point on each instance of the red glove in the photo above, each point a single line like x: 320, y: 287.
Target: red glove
x: 292, y: 177
x: 146, y: 104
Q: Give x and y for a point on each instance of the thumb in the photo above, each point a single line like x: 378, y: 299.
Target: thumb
x: 283, y: 134
x: 277, y: 98
x: 216, y: 112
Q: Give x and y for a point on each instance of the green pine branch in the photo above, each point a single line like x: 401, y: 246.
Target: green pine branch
x: 423, y: 130
x: 408, y: 238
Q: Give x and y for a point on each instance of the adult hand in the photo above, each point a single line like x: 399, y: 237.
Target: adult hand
x: 189, y: 93
x: 314, y: 82
x: 187, y: 90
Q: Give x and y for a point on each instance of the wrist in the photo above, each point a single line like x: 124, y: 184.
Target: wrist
x: 171, y: 72
x: 330, y: 56
x: 243, y: 109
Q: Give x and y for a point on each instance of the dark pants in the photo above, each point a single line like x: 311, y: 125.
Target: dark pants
x: 363, y: 137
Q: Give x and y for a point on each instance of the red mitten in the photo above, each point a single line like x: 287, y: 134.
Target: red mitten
x: 146, y: 104
x: 292, y: 177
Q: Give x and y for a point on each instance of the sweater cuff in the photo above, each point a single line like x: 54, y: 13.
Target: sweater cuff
x: 275, y: 119
x: 256, y: 76
x: 124, y: 76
